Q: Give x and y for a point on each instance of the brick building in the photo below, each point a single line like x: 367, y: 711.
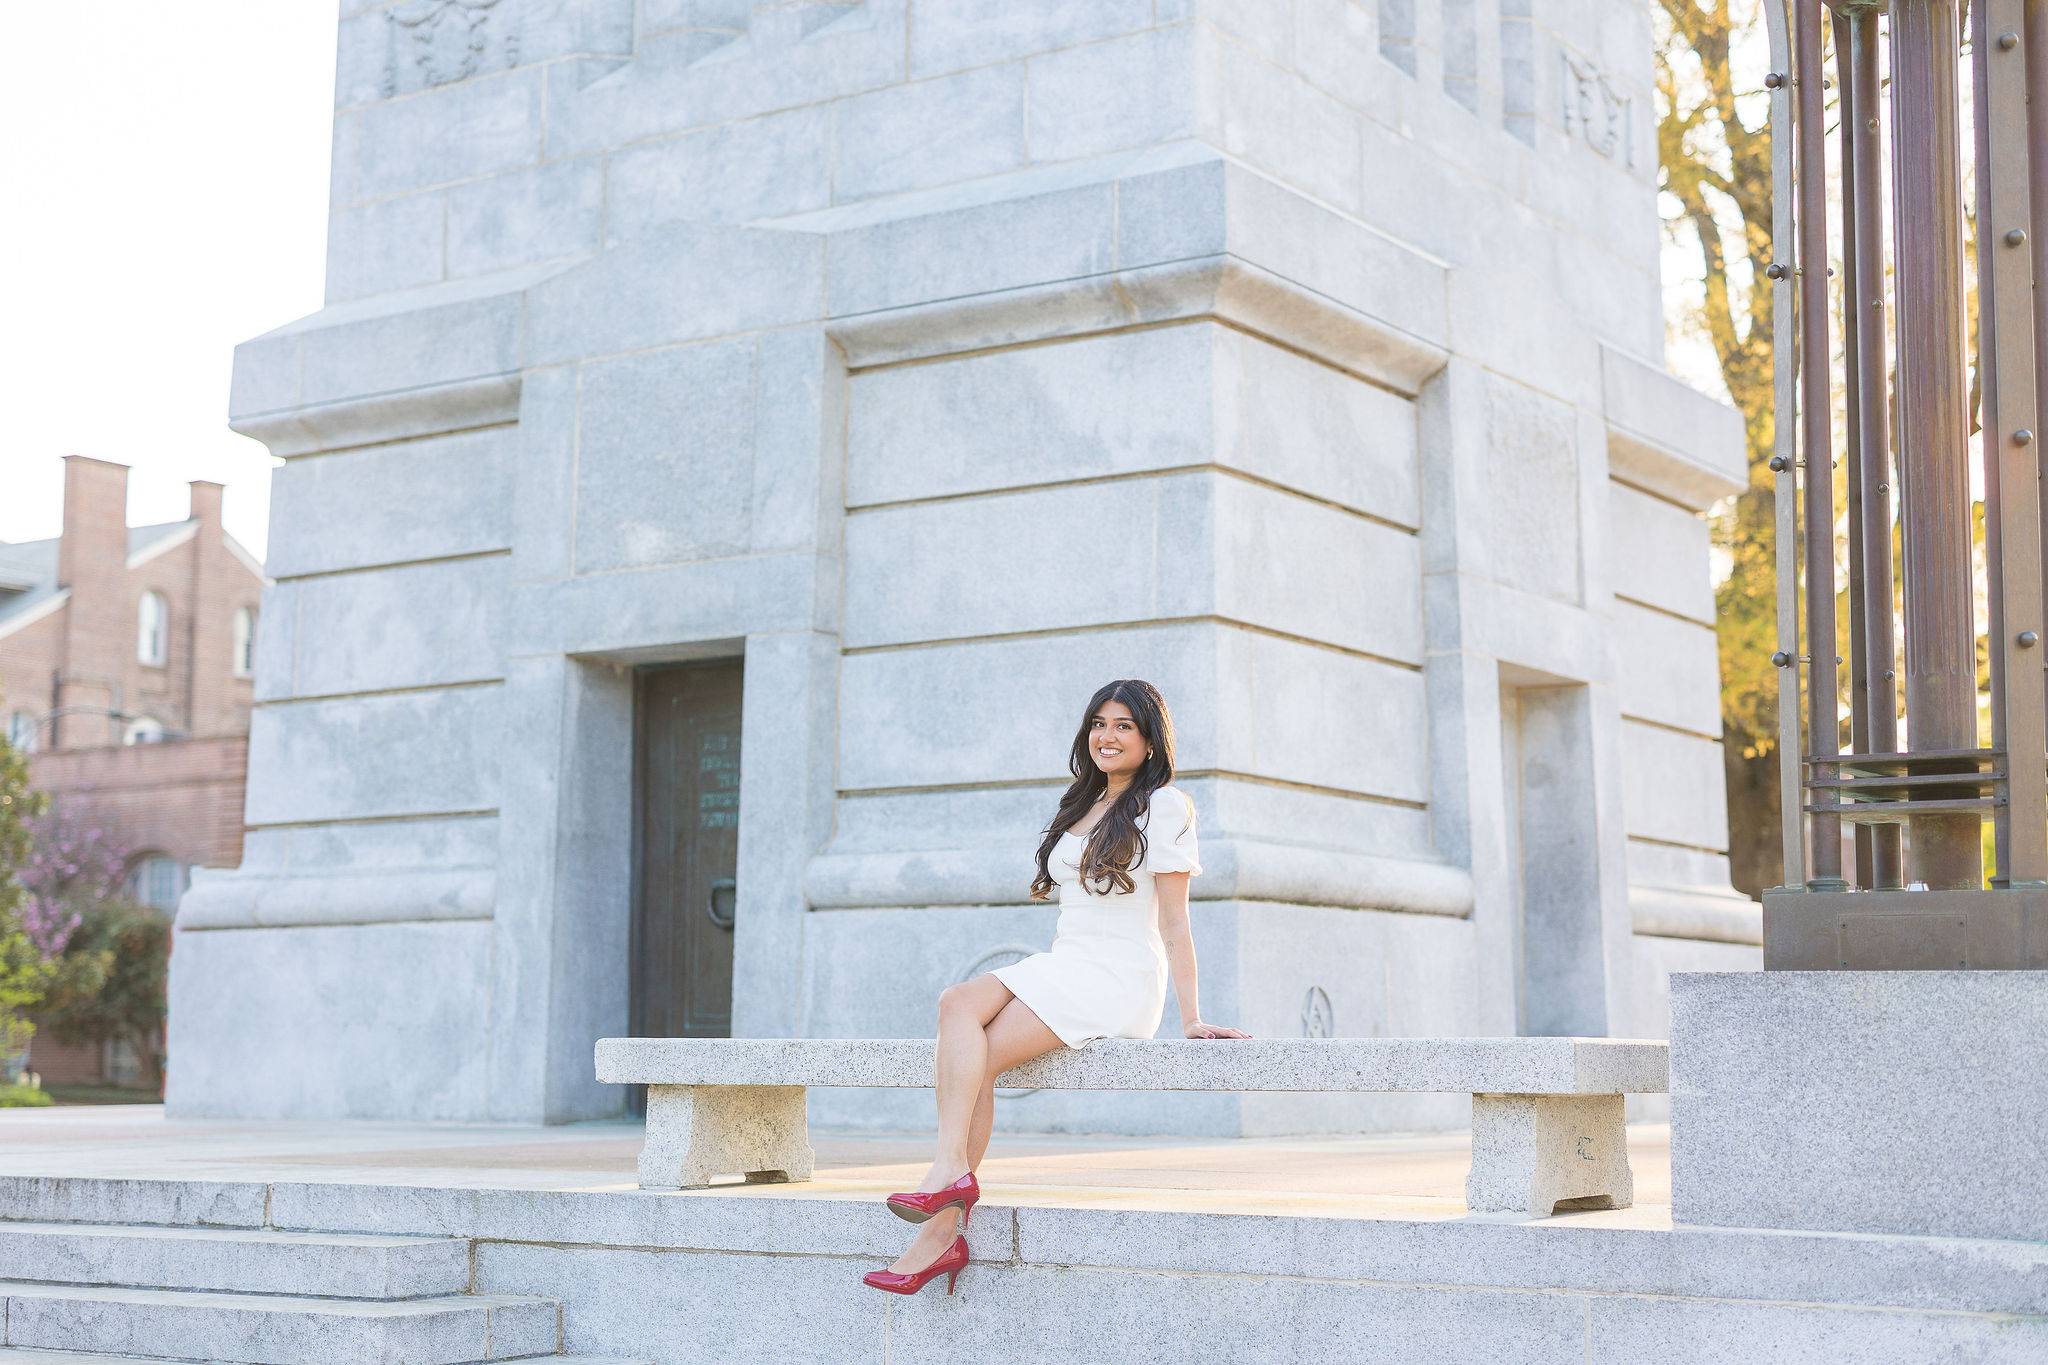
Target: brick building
x: 125, y: 673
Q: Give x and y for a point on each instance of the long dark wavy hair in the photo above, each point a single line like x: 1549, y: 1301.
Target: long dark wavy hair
x: 1116, y: 844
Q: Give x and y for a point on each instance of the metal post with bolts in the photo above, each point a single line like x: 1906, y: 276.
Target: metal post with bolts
x: 1941, y: 653
x: 1863, y: 299
x: 1823, y: 674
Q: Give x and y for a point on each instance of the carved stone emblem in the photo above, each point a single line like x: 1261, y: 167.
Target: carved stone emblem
x: 1596, y: 111
x: 439, y: 42
x: 1318, y: 1018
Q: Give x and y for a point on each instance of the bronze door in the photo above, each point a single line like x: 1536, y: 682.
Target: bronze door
x: 686, y: 799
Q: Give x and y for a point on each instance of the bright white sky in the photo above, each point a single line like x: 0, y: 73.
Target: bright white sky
x: 165, y: 174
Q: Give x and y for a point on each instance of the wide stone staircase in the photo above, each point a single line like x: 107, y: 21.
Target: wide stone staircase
x: 82, y: 1292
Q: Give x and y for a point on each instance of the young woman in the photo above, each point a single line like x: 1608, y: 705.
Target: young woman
x: 1120, y: 851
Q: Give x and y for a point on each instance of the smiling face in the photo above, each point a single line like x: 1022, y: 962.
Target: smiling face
x: 1115, y: 742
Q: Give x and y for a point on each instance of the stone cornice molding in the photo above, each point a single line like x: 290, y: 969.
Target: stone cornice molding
x: 1220, y: 287
x: 1668, y: 438
x: 1233, y: 869
x: 1717, y: 915
x: 1159, y: 244
x: 403, y: 415
x: 237, y: 900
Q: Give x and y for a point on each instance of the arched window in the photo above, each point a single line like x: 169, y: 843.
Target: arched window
x: 156, y: 880
x: 21, y: 732
x: 152, y: 629
x: 143, y: 730
x: 245, y: 642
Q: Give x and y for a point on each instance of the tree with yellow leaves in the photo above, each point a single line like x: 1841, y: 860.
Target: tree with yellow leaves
x: 1717, y: 168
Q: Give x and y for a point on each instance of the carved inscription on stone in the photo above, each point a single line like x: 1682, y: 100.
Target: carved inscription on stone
x: 1596, y: 111
x: 439, y: 42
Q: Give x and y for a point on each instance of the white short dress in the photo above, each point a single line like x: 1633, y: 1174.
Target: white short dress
x: 1106, y: 974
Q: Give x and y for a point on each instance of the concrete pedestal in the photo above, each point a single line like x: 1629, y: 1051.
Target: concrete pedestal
x: 1883, y: 1102
x: 695, y: 1132
x: 1531, y: 1153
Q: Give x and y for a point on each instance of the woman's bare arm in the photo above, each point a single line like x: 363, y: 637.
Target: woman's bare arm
x: 1180, y: 956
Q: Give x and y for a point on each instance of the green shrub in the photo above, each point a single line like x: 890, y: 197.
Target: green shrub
x: 22, y: 1097
x: 24, y: 964
x: 109, y: 982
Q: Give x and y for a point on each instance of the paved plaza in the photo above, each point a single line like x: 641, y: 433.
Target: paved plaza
x: 1418, y: 1178
x: 527, y: 1240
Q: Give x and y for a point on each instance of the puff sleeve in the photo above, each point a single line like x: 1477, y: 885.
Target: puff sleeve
x: 1170, y: 834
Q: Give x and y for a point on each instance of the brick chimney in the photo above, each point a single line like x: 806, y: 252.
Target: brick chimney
x: 210, y: 619
x: 95, y: 517
x: 205, y: 504
x: 92, y: 561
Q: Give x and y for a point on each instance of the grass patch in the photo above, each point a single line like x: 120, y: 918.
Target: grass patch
x: 23, y: 1097
x: 101, y: 1094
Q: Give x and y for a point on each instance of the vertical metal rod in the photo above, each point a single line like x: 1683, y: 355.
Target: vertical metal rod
x: 1865, y: 229
x: 2036, y: 45
x: 1852, y: 445
x: 1987, y: 381
x: 1941, y: 662
x: 1823, y: 675
x: 1784, y: 409
x: 2008, y: 316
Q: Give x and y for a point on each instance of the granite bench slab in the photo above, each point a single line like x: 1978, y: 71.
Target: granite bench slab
x: 1521, y: 1066
x: 1547, y: 1113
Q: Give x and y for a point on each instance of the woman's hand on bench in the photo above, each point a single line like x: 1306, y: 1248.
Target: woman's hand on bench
x: 1195, y: 1028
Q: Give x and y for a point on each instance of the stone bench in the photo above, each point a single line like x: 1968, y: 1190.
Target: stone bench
x: 1547, y: 1122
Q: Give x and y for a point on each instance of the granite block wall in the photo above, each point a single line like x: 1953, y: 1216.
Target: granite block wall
x: 944, y: 359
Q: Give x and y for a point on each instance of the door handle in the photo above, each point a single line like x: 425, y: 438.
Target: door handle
x: 719, y: 908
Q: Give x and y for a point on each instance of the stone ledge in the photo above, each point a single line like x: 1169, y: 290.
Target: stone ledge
x: 405, y: 415
x: 1241, y: 249
x: 1519, y: 1066
x: 1587, y: 1252
x: 437, y: 337
x: 1698, y: 912
x: 1233, y: 869
x: 1221, y: 288
x: 233, y: 900
x: 1668, y: 438
x: 235, y: 1260
x: 433, y: 1331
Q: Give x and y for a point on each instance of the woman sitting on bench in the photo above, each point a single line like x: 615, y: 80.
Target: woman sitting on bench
x: 1120, y: 850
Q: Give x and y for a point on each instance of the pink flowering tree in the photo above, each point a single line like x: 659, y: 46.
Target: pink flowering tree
x: 77, y: 860
x: 108, y: 955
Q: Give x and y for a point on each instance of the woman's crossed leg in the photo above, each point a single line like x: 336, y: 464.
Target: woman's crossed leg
x: 984, y: 1030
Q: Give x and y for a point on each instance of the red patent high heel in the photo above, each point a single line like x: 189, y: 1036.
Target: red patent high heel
x: 917, y: 1207
x: 950, y: 1263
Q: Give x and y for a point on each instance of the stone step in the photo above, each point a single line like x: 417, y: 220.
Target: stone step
x: 244, y: 1260
x: 279, y: 1329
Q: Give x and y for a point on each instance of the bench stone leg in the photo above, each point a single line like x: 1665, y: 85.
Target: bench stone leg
x: 1531, y: 1151
x: 695, y: 1132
